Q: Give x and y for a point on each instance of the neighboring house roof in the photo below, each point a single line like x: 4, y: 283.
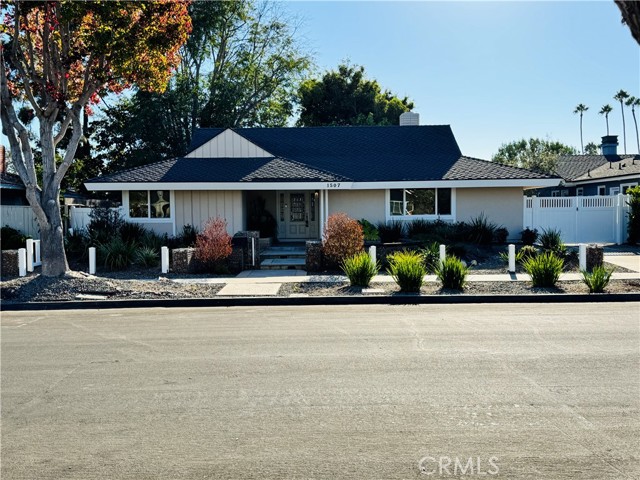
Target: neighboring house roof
x: 11, y: 181
x: 326, y: 154
x: 576, y: 168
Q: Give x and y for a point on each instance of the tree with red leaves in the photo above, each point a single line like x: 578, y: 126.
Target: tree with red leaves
x: 60, y: 57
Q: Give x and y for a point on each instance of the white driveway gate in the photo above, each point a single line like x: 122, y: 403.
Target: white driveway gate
x: 600, y: 219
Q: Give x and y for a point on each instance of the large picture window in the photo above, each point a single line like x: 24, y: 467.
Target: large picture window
x: 149, y: 204
x: 420, y: 201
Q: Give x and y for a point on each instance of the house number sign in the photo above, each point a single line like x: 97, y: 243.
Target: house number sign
x: 333, y: 185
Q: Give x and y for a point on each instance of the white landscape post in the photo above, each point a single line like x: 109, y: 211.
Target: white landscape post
x: 582, y: 256
x: 29, y: 255
x: 373, y: 253
x: 36, y: 244
x: 22, y: 262
x: 443, y: 253
x: 512, y: 258
x: 164, y: 253
x: 92, y: 260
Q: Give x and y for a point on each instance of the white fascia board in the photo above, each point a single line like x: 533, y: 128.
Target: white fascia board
x: 222, y: 186
x: 631, y: 176
x: 544, y: 182
x: 551, y: 182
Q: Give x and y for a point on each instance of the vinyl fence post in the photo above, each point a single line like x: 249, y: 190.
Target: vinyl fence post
x: 443, y: 253
x: 582, y: 255
x: 373, y: 253
x: 92, y: 260
x: 22, y: 262
x: 164, y: 253
x: 512, y: 258
x: 29, y: 255
x: 36, y: 244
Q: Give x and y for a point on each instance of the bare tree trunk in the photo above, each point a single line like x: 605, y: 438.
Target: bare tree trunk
x: 633, y: 112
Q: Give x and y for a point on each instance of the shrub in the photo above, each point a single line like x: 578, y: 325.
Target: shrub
x: 369, y: 230
x: 597, y: 280
x: 390, y: 232
x: 407, y: 269
x: 551, y: 241
x: 633, y: 227
x: 419, y: 227
x: 342, y: 238
x: 431, y: 255
x: 153, y: 241
x: 481, y: 230
x: 105, y: 223
x: 360, y: 269
x: 213, y: 245
x: 76, y: 244
x: 132, y: 232
x: 146, y: 257
x: 452, y: 273
x: 527, y: 252
x: 12, y: 239
x: 116, y: 254
x: 457, y: 250
x: 544, y: 269
x: 500, y: 235
x: 528, y: 236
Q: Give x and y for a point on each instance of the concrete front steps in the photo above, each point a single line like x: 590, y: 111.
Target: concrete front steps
x: 283, y: 257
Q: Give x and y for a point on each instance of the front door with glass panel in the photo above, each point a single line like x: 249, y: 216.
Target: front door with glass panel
x: 298, y: 216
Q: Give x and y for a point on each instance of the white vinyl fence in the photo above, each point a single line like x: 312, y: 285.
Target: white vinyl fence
x: 21, y: 218
x: 600, y: 219
x: 79, y: 218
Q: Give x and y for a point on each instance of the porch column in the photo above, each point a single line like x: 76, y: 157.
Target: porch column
x: 321, y: 212
x: 326, y: 206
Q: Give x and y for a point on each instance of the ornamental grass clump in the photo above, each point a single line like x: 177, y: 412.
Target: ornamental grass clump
x: 551, y: 241
x: 544, y: 269
x: 117, y: 254
x: 407, y: 269
x: 597, y: 280
x: 452, y: 273
x: 147, y: 257
x: 360, y: 269
x: 342, y: 238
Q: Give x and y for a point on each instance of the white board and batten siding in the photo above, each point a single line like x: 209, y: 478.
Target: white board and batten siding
x: 229, y: 144
x: 21, y: 218
x: 196, y: 207
x: 597, y: 219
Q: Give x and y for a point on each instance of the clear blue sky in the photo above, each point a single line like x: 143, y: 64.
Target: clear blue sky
x: 494, y: 71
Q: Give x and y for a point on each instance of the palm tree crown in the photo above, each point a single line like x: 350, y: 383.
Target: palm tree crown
x: 606, y: 110
x: 621, y: 96
x: 581, y: 108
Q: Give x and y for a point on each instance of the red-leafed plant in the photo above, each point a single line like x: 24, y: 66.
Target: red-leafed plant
x: 213, y: 245
x: 342, y: 238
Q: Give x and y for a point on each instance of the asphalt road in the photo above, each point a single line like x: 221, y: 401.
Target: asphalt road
x: 524, y: 391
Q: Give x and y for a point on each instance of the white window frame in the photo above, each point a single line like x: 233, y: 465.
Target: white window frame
x: 148, y: 218
x: 564, y: 193
x: 555, y: 193
x: 580, y: 192
x: 627, y: 185
x: 602, y: 190
x: 451, y: 217
x: 614, y: 190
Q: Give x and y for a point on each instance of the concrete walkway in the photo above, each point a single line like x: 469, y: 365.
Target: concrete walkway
x: 630, y: 262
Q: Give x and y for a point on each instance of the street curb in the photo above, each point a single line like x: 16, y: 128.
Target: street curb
x: 398, y: 299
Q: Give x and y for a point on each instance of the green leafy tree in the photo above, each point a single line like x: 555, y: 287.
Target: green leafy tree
x: 58, y: 58
x: 534, y: 154
x: 630, y: 10
x: 581, y: 108
x: 591, y: 148
x: 621, y: 96
x: 634, y: 102
x: 346, y: 97
x: 606, y: 110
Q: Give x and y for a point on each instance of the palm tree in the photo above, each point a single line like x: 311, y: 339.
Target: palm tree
x: 634, y: 102
x: 621, y: 96
x: 606, y: 110
x: 581, y: 108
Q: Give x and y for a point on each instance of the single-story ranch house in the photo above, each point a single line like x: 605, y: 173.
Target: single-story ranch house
x: 302, y: 175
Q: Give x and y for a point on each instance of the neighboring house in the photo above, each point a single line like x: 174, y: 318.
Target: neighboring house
x: 304, y: 174
x: 587, y: 175
x: 12, y: 191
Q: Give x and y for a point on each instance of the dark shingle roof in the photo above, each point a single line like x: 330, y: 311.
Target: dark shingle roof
x: 359, y: 154
x: 630, y: 165
x: 574, y: 167
x: 468, y: 168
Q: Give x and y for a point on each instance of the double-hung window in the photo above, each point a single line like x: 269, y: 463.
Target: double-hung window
x: 420, y: 201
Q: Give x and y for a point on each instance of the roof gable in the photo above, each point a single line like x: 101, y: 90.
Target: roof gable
x: 228, y: 144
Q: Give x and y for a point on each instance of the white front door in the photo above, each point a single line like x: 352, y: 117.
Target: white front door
x: 298, y: 215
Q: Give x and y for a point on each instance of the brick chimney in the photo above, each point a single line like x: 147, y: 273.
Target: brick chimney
x: 609, y: 145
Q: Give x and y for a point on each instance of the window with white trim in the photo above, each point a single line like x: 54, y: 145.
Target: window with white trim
x: 627, y: 186
x: 602, y: 190
x: 579, y: 191
x: 420, y: 201
x: 149, y: 204
x: 564, y: 193
x: 614, y: 190
x: 555, y: 193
